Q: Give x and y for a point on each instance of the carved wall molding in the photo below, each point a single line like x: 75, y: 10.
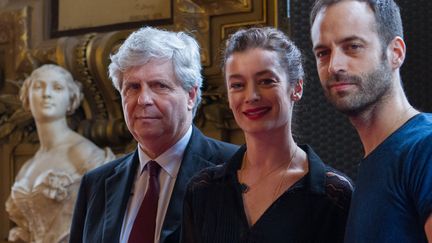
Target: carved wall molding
x: 14, y: 35
x: 87, y: 57
x: 210, y: 21
x: 100, y: 116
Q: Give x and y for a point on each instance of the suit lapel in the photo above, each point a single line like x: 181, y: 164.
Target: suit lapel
x: 117, y: 191
x: 196, y: 158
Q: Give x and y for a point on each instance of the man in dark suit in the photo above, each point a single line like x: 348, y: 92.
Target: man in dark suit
x: 139, y: 197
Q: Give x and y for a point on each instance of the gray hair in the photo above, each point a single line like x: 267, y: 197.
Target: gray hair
x: 270, y: 39
x: 150, y: 43
x: 74, y: 87
x: 388, y: 20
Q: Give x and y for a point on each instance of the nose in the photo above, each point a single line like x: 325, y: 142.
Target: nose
x: 145, y: 97
x: 252, y: 94
x: 47, y: 91
x: 338, y: 61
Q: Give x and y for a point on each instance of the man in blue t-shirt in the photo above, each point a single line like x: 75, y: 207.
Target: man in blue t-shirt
x: 359, y: 50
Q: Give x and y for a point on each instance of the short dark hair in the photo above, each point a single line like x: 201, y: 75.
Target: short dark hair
x: 387, y: 17
x: 271, y: 39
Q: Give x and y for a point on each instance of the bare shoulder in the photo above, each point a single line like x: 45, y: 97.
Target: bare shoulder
x: 87, y: 155
x: 24, y: 168
x: 84, y: 146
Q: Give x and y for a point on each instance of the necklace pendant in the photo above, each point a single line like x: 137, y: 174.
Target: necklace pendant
x: 244, y: 188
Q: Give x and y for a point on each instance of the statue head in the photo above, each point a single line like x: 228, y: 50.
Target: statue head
x: 73, y: 86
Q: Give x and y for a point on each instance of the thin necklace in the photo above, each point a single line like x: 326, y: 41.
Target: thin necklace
x: 246, y: 188
x: 283, y: 178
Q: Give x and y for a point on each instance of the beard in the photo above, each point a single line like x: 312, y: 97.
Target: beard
x: 373, y: 87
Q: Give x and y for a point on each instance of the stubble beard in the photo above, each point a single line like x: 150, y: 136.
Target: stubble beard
x: 373, y: 87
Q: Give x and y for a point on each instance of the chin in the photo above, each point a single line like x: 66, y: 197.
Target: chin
x: 48, y: 117
x: 257, y: 129
x: 151, y: 133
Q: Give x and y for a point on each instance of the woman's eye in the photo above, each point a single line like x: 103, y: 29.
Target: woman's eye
x: 58, y: 87
x: 37, y: 85
x: 236, y: 86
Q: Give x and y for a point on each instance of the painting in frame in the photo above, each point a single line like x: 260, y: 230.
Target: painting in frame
x: 74, y: 17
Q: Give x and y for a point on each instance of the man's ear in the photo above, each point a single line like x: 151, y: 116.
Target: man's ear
x: 192, y: 97
x: 297, y: 91
x: 397, y: 51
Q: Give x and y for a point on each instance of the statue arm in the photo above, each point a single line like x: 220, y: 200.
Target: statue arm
x: 21, y: 231
x: 88, y: 156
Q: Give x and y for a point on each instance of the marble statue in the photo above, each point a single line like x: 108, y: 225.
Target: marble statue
x: 45, y: 189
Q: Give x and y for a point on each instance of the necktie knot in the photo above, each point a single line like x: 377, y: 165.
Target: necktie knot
x: 153, y: 168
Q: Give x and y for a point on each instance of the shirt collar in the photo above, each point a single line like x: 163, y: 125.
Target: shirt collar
x: 316, y: 177
x: 169, y: 160
x: 314, y: 180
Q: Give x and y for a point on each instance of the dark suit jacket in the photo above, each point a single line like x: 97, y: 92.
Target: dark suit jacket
x: 105, y: 191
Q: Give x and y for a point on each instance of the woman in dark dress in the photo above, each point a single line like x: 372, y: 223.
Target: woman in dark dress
x: 272, y: 190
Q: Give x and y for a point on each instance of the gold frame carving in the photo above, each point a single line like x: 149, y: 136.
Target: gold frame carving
x: 14, y: 43
x: 100, y: 116
x: 99, y: 25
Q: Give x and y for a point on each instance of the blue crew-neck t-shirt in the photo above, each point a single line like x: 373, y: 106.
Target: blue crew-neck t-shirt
x: 393, y: 195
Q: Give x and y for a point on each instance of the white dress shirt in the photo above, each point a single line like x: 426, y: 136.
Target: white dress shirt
x: 170, y: 162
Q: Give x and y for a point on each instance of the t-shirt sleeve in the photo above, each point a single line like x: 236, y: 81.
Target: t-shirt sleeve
x: 421, y: 178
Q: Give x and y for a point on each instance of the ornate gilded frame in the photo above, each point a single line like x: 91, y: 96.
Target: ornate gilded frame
x: 56, y: 30
x: 100, y: 117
